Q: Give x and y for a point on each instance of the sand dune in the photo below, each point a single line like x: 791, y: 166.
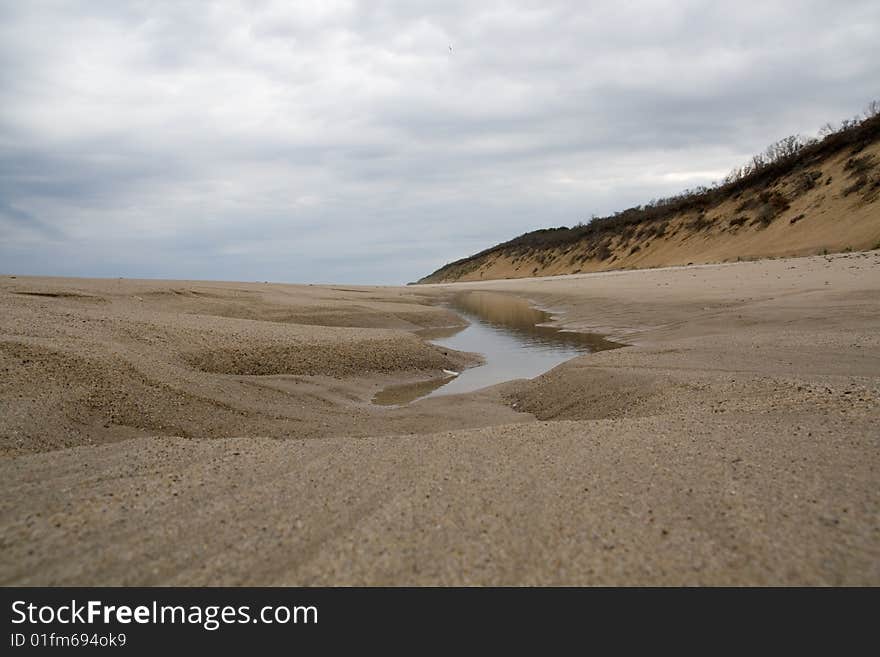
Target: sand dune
x: 174, y: 432
x: 828, y: 203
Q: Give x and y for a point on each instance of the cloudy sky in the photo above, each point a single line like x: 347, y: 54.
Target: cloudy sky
x: 345, y: 142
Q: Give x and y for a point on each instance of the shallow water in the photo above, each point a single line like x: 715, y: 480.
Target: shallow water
x: 510, y: 334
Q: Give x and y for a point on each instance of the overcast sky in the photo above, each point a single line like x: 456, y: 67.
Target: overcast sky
x: 345, y: 142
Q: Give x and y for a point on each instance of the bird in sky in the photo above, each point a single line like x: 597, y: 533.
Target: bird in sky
x: 450, y: 47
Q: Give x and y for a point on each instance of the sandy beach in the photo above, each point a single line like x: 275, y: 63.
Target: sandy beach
x: 205, y: 433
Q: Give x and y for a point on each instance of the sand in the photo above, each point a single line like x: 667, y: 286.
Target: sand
x: 179, y: 432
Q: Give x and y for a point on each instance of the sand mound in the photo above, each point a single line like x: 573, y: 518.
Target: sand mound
x: 331, y: 359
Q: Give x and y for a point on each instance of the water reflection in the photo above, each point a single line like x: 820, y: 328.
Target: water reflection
x: 514, y: 316
x: 512, y: 337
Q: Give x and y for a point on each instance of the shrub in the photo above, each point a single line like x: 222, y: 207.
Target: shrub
x: 748, y: 204
x: 859, y: 166
x: 659, y: 229
x: 859, y: 183
x: 772, y: 204
x: 806, y: 181
x: 765, y: 215
x: 700, y: 222
x: 603, y: 252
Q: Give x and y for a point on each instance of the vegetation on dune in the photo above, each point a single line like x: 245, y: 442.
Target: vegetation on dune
x: 794, y: 155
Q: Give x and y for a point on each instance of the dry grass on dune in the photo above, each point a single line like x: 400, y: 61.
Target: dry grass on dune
x: 824, y: 198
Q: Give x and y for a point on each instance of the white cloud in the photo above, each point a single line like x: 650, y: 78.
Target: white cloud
x: 343, y: 140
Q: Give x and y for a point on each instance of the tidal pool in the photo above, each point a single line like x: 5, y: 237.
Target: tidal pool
x: 512, y: 336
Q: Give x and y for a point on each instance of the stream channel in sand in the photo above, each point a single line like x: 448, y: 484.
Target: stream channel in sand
x: 515, y: 339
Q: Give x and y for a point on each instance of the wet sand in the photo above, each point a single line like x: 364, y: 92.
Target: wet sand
x: 158, y: 432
